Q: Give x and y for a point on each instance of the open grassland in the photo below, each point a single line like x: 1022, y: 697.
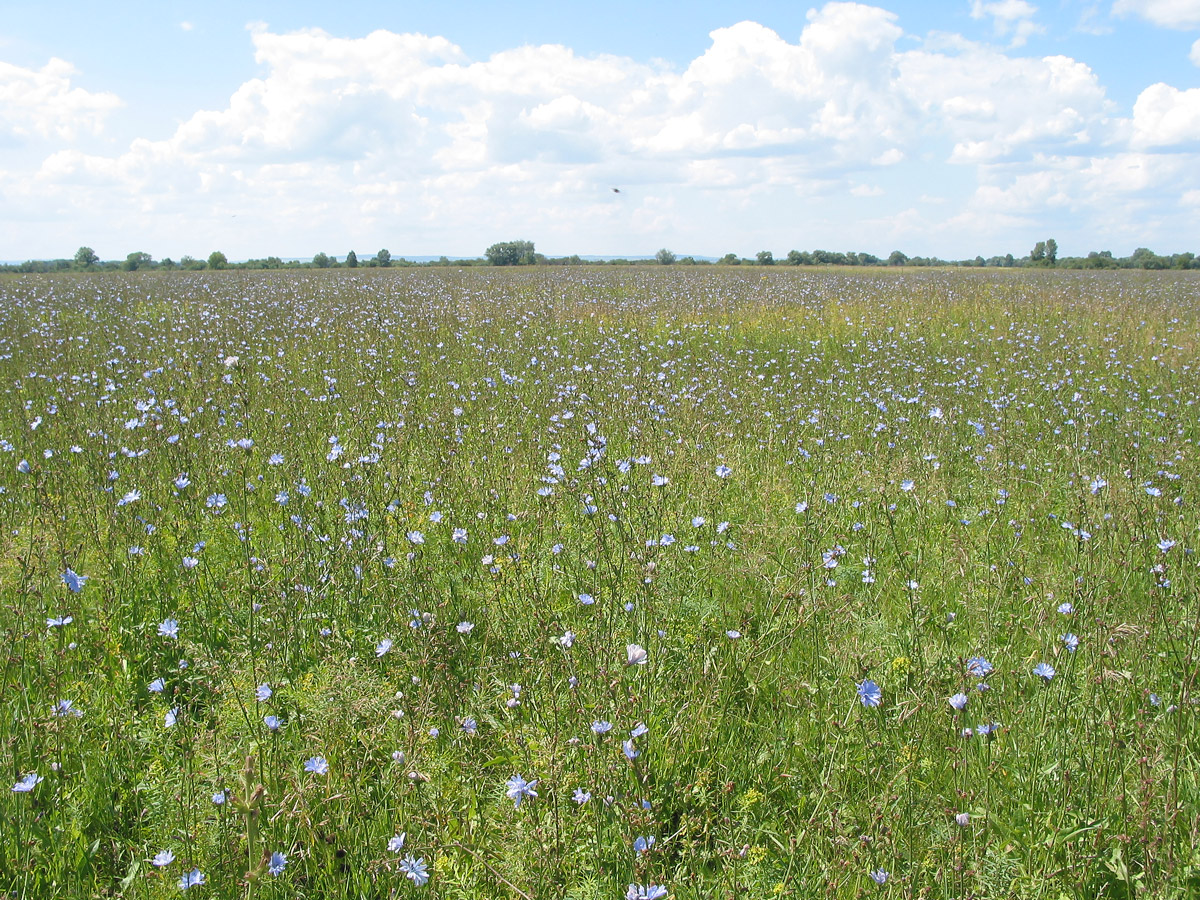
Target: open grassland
x: 594, y: 583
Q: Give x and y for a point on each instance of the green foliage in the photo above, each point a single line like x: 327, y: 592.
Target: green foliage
x: 322, y: 261
x: 86, y: 257
x: 137, y: 260
x: 664, y: 257
x: 765, y: 258
x: 217, y: 260
x: 383, y: 258
x: 511, y: 253
x: 351, y: 260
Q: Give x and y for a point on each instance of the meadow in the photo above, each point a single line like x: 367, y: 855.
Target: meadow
x: 594, y: 583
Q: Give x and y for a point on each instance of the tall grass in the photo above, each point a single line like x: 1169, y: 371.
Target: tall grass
x: 365, y: 555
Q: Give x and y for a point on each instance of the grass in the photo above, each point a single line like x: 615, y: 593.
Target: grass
x: 778, y: 484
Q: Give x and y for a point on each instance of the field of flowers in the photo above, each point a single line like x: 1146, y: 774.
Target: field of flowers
x: 600, y: 583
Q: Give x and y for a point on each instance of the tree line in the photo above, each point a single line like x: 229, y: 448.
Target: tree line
x: 523, y: 253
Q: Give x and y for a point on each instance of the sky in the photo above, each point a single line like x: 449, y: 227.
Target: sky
x: 949, y: 128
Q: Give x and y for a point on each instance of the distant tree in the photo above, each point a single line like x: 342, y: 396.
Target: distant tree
x: 729, y: 259
x: 664, y: 257
x: 190, y: 262
x: 383, y: 258
x: 765, y: 258
x: 168, y: 263
x: 217, y: 260
x: 322, y: 261
x: 351, y: 260
x: 1143, y: 258
x: 1038, y: 254
x: 511, y: 253
x: 795, y: 258
x: 137, y: 260
x: 1051, y: 251
x: 86, y: 257
x: 273, y: 262
x: 1009, y: 261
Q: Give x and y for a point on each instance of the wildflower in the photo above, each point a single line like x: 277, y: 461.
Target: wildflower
x: 272, y: 722
x: 27, y: 784
x: 469, y: 725
x: 263, y: 693
x: 59, y: 620
x: 171, y: 717
x: 879, y: 876
x: 1070, y: 641
x: 131, y: 497
x: 567, y: 640
x: 801, y: 507
x: 631, y: 753
x: 586, y: 599
x: 169, y: 628
x: 396, y: 844
x: 724, y: 471
x: 601, y: 727
x: 276, y: 459
x: 415, y: 870
x: 318, y: 765
x: 647, y: 892
x: 638, y: 730
x: 906, y: 485
x: 643, y: 844
x: 64, y: 708
x: 278, y: 863
x: 163, y: 858
x: 1066, y: 609
x: 415, y: 537
x: 1044, y: 671
x: 464, y: 627
x: 383, y: 647
x: 191, y: 879
x: 74, y: 581
x: 979, y: 667
x: 659, y: 480
x: 963, y: 819
x: 156, y: 686
x: 459, y: 535
x: 869, y: 693
x: 635, y: 655
x: 1165, y: 544
x: 581, y: 796
x: 519, y: 789
x: 733, y: 634
x: 220, y: 797
x: 958, y: 701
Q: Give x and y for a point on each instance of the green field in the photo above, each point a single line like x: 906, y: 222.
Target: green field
x: 711, y: 555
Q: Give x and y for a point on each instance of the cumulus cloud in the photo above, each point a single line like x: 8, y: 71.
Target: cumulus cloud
x: 1165, y: 13
x: 1009, y: 17
x: 405, y: 134
x: 1165, y: 116
x: 42, y: 103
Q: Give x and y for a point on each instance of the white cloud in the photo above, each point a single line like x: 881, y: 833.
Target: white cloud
x: 186, y: 26
x: 1166, y: 13
x: 42, y: 103
x: 1013, y: 17
x: 1194, y: 56
x: 405, y: 136
x: 1165, y: 116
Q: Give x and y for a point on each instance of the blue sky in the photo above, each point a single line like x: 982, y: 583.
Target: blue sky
x: 949, y: 128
